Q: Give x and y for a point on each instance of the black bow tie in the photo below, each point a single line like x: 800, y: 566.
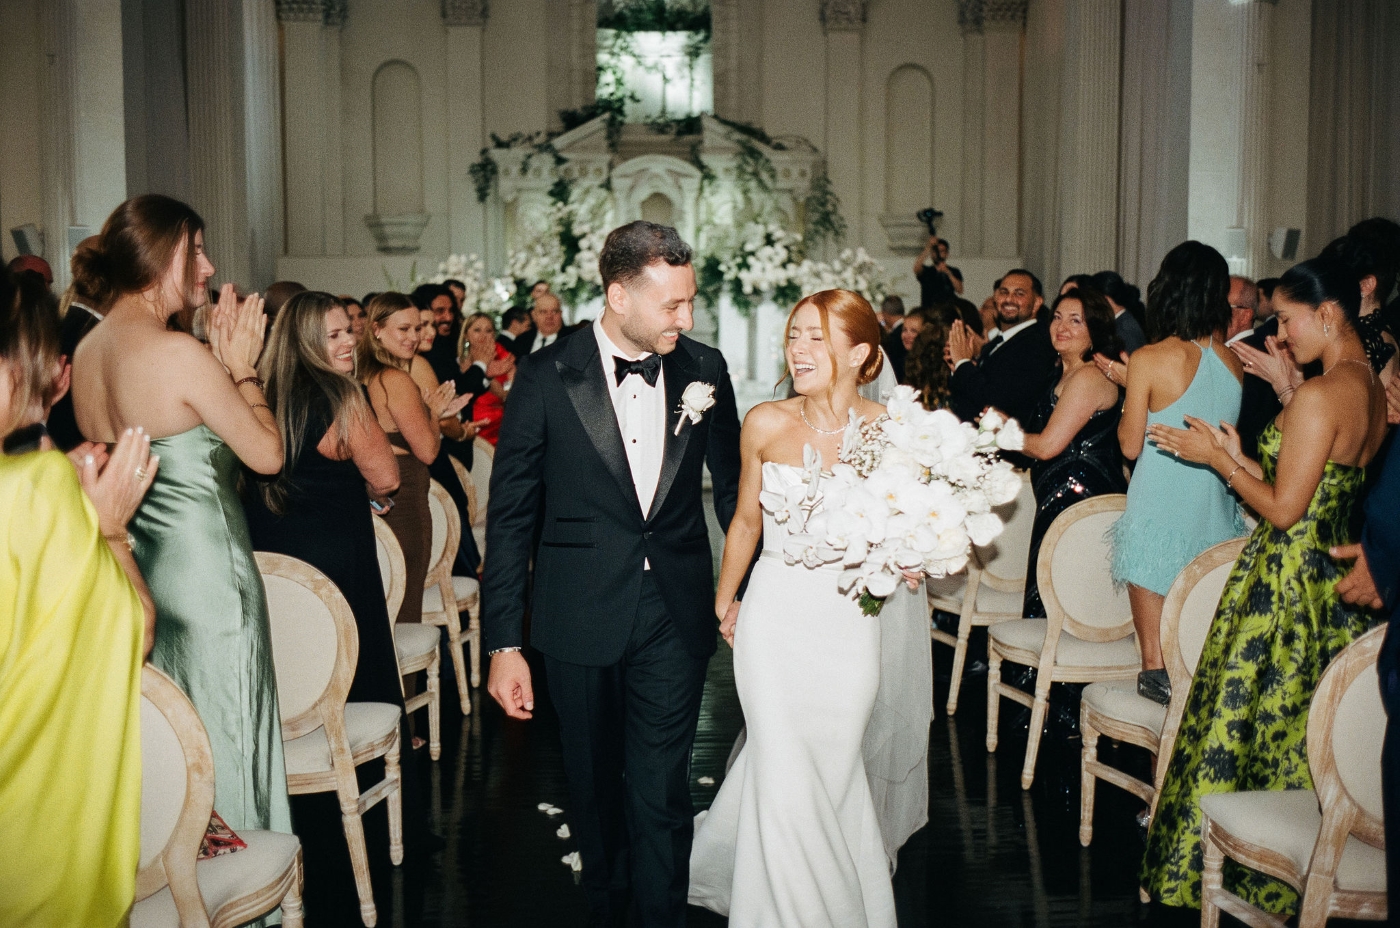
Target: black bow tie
x: 648, y: 368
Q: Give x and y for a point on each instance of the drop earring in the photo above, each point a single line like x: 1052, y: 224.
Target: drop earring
x: 1326, y: 331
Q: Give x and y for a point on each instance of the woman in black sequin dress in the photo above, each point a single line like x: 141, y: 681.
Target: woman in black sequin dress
x: 1073, y: 437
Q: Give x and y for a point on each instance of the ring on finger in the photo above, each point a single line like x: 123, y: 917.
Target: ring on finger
x: 140, y: 473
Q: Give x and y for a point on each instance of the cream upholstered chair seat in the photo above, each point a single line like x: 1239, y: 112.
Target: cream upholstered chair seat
x: 1088, y: 635
x: 1287, y: 822
x: 368, y: 725
x: 1116, y: 710
x: 483, y: 459
x: 1119, y: 699
x: 1023, y: 640
x: 1329, y: 844
x: 444, y: 606
x: 224, y: 880
x: 992, y: 588
x: 467, y: 589
x: 415, y: 645
x: 315, y: 649
x: 174, y: 887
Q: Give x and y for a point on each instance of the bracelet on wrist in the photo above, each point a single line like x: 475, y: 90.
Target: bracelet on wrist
x: 121, y: 538
x: 260, y: 406
x: 1230, y: 480
x: 253, y: 380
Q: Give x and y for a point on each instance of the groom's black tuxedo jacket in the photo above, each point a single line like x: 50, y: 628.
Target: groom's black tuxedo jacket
x: 560, y: 465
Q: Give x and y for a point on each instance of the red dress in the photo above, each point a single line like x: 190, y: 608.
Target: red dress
x: 489, y: 406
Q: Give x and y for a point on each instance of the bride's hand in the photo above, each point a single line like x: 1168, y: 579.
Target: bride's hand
x: 912, y: 579
x: 728, y: 622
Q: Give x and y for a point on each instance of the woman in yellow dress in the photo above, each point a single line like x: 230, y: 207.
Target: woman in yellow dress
x: 73, y: 617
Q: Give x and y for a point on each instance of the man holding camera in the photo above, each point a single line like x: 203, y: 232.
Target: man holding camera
x: 938, y: 281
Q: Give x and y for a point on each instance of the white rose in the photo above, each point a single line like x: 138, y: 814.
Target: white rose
x: 1011, y: 437
x: 992, y: 421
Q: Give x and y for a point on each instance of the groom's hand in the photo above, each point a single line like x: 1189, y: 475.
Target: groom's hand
x: 509, y: 684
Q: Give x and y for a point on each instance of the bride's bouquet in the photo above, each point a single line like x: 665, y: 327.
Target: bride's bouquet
x: 911, y: 493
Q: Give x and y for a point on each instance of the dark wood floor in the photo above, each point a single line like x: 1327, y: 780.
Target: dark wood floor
x: 991, y: 854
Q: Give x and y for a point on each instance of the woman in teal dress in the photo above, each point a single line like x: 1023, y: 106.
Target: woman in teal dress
x: 1186, y: 371
x: 1279, y: 622
x: 206, y: 411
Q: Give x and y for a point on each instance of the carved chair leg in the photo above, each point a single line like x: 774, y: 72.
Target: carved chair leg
x: 1088, y: 754
x: 993, y: 695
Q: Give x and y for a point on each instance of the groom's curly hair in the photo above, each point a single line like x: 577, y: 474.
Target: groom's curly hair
x: 630, y: 249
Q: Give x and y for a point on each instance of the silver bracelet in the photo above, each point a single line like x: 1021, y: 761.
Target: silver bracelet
x: 501, y: 651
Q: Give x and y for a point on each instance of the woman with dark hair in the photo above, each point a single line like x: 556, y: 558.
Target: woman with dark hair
x: 206, y: 412
x: 336, y: 459
x: 1184, y: 373
x: 1126, y: 302
x: 355, y: 312
x: 1280, y: 621
x: 1073, y: 437
x: 925, y: 368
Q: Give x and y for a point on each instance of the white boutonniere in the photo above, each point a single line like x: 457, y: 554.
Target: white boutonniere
x: 695, y: 402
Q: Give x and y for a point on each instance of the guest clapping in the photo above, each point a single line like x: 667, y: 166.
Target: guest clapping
x: 1073, y: 436
x: 1280, y: 620
x: 206, y: 411
x: 1175, y: 509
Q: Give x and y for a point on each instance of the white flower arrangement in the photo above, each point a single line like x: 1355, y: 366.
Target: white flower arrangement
x: 483, y: 295
x: 762, y: 266
x: 911, y: 493
x: 850, y: 270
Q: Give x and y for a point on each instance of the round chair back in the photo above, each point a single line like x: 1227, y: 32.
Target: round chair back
x: 1072, y: 571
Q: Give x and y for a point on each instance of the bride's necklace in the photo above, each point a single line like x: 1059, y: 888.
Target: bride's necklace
x: 802, y: 410
x: 1351, y: 361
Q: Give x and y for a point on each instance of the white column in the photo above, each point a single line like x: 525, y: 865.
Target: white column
x: 844, y: 21
x: 1088, y: 177
x: 218, y: 138
x: 974, y: 90
x: 466, y: 26
x: 1003, y: 26
x: 304, y: 79
x: 56, y: 147
x: 1252, y: 215
x: 262, y: 105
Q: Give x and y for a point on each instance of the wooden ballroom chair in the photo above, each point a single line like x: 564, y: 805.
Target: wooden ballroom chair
x: 996, y: 577
x: 1088, y: 635
x: 173, y: 887
x: 1115, y: 709
x: 1329, y: 842
x: 446, y: 597
x: 315, y: 649
x: 415, y: 644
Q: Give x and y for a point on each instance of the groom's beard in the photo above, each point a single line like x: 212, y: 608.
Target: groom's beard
x: 646, y: 339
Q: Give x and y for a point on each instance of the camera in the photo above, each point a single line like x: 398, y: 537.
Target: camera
x: 930, y: 217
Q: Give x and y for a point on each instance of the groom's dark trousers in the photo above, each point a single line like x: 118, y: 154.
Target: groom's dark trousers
x: 625, y: 647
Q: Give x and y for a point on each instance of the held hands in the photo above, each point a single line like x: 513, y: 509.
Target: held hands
x: 1197, y: 443
x: 509, y: 684
x: 728, y: 621
x: 1115, y: 371
x: 117, y: 488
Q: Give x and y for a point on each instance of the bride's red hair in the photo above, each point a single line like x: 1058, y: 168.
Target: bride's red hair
x: 857, y: 321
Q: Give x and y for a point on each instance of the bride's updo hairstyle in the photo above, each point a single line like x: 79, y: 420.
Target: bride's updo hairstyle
x: 852, y: 313
x: 135, y: 248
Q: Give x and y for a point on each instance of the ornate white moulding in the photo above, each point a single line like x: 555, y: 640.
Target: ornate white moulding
x: 397, y: 235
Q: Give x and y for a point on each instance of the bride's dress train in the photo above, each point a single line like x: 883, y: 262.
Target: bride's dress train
x: 832, y: 778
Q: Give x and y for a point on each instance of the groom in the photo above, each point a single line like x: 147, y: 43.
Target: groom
x: 601, y: 451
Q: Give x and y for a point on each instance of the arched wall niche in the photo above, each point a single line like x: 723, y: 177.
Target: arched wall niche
x: 908, y: 140
x: 397, y: 114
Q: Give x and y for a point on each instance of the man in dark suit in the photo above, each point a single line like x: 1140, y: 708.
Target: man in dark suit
x: 1374, y: 583
x: 548, y: 319
x: 602, y: 445
x: 1013, y: 367
x: 515, y: 323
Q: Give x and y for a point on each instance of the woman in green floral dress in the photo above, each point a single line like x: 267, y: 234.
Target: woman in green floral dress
x: 1280, y: 621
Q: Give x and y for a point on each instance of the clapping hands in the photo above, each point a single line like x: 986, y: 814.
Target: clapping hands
x: 1276, y: 365
x: 1115, y: 371
x: 963, y: 343
x: 1198, y: 441
x: 236, y: 331
x: 117, y: 483
x: 444, y: 403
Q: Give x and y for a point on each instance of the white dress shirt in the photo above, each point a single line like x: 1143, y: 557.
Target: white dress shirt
x: 641, y: 416
x: 543, y: 341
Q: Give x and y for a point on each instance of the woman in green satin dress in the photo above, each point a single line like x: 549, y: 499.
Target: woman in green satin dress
x: 1280, y: 621
x: 206, y: 411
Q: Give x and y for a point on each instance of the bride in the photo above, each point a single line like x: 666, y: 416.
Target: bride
x: 830, y: 778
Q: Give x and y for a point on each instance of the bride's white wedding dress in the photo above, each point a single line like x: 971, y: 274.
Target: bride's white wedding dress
x: 831, y: 778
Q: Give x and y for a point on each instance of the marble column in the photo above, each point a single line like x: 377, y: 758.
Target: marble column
x: 263, y: 112
x: 306, y: 72
x: 1088, y: 138
x: 844, y: 23
x: 1253, y: 58
x: 1003, y: 25
x: 466, y: 134
x: 974, y: 121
